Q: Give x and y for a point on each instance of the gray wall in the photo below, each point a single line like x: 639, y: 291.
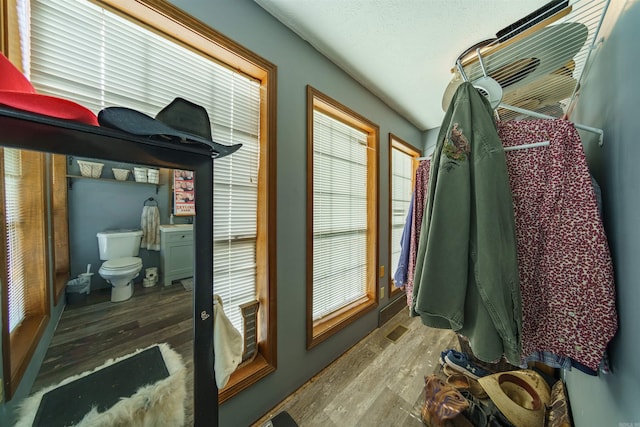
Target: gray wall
x: 298, y: 65
x: 430, y: 139
x: 610, y: 100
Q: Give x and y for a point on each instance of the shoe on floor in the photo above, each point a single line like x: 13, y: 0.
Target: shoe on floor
x: 461, y: 363
x: 483, y: 413
x: 443, y: 354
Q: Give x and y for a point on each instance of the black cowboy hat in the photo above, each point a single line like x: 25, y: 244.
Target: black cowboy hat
x: 181, y: 119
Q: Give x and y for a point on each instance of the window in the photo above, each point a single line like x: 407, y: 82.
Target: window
x: 403, y: 163
x: 25, y: 306
x: 144, y: 55
x: 342, y: 216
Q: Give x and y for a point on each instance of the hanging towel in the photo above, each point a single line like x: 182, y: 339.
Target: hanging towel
x: 227, y: 344
x: 150, y: 224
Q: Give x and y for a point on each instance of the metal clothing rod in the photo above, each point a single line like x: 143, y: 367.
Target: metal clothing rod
x: 461, y: 71
x: 544, y: 116
x: 512, y: 148
x: 523, y: 146
x: 484, y: 70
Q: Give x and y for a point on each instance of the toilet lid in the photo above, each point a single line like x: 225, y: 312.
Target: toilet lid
x: 122, y: 263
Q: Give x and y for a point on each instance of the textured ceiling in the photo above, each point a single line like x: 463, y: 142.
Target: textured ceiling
x: 401, y: 50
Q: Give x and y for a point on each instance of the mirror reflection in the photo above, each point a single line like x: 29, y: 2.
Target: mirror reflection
x: 118, y: 268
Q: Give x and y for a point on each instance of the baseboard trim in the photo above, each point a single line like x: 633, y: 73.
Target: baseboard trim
x: 392, y: 309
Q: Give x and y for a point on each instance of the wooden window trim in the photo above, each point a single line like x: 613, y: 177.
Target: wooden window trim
x: 321, y: 329
x: 19, y: 346
x: 23, y: 343
x: 9, y: 36
x: 58, y: 200
x: 172, y: 22
x: 410, y: 150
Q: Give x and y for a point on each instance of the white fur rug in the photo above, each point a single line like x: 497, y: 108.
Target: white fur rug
x: 156, y: 405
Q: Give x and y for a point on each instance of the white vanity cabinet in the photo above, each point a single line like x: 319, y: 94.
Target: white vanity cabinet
x: 176, y: 252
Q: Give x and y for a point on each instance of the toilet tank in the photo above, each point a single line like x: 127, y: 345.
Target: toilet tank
x: 119, y: 243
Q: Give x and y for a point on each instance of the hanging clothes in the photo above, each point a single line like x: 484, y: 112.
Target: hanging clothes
x: 402, y: 270
x: 466, y: 276
x: 566, y: 274
x: 420, y: 191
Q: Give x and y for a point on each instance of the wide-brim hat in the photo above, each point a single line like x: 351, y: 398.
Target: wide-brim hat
x: 17, y: 92
x: 545, y: 91
x: 521, y: 396
x: 181, y: 120
x: 520, y: 61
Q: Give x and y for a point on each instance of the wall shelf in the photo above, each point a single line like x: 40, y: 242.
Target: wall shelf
x: 72, y: 177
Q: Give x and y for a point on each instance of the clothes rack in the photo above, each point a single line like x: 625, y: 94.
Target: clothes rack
x: 522, y: 110
x: 523, y: 146
x: 563, y: 40
x: 512, y: 148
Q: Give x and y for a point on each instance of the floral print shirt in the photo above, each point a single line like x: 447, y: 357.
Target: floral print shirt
x: 566, y: 273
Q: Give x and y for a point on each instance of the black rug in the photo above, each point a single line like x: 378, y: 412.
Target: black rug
x: 68, y: 404
x: 283, y: 419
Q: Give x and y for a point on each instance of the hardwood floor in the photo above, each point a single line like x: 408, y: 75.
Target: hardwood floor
x: 96, y: 330
x: 378, y: 382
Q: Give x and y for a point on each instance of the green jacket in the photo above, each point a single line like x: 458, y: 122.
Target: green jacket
x: 466, y: 276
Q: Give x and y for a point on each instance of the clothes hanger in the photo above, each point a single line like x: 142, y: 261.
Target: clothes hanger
x: 544, y: 116
x: 532, y: 145
x: 511, y: 148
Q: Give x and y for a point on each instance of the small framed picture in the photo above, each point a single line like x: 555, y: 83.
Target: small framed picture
x: 184, y: 203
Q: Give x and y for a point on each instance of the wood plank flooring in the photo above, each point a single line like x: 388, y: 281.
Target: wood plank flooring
x: 378, y: 382
x: 96, y: 330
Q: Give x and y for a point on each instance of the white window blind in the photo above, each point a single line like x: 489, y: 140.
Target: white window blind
x: 85, y: 53
x: 15, y: 256
x: 401, y: 190
x: 339, y: 215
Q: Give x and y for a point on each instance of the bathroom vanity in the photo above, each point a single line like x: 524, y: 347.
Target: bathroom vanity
x: 176, y: 252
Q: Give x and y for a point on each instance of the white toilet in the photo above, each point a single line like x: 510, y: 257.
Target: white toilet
x: 119, y: 250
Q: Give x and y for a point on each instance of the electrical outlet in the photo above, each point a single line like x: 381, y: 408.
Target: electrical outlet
x: 381, y: 291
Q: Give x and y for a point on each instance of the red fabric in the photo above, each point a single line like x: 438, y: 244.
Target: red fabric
x: 566, y: 274
x: 421, y: 188
x: 17, y: 92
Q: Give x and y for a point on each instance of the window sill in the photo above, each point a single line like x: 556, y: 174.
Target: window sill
x: 23, y: 343
x: 330, y: 325
x: 245, y: 376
